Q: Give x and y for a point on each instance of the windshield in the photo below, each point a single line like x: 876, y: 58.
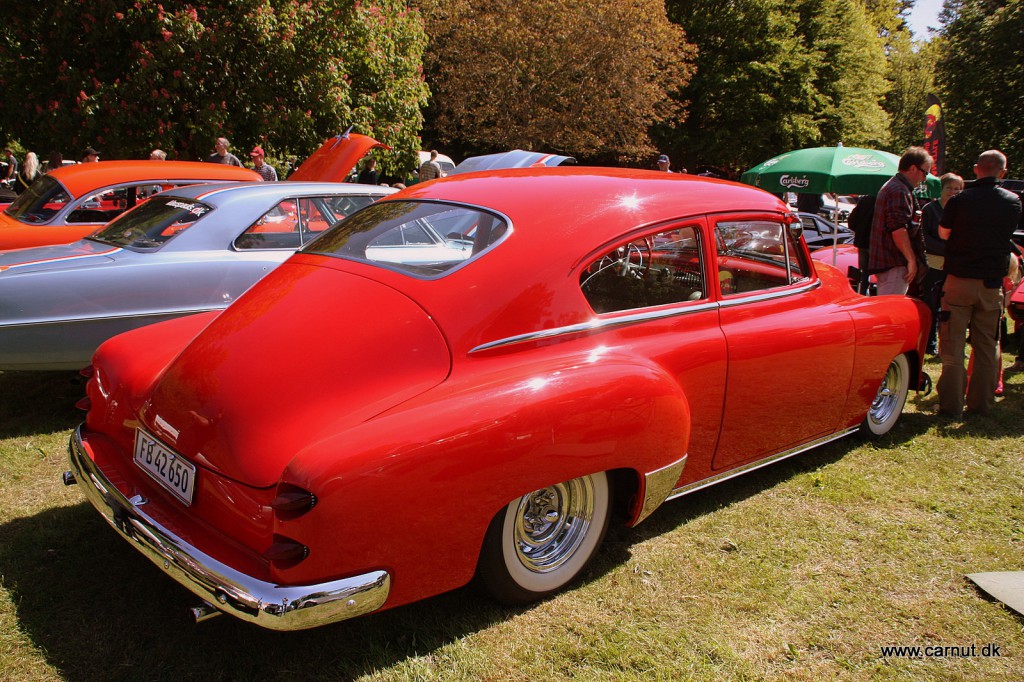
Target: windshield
x: 40, y: 202
x: 420, y: 238
x: 149, y: 226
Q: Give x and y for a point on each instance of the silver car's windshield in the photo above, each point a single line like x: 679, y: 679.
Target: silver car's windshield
x: 149, y: 226
x: 40, y: 202
x: 426, y: 239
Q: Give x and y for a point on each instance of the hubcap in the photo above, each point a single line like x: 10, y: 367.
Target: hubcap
x: 886, y: 400
x: 552, y: 522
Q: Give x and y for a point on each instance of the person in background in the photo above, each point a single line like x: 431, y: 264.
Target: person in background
x: 935, y: 252
x: 28, y: 173
x: 369, y: 175
x: 977, y: 225
x: 266, y: 171
x: 809, y: 203
x: 54, y: 161
x: 860, y: 222
x: 12, y: 167
x: 222, y: 155
x: 892, y: 257
x: 89, y: 155
x: 158, y: 155
x: 430, y: 169
x: 664, y: 163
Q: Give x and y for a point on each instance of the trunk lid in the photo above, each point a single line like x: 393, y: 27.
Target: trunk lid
x: 306, y: 353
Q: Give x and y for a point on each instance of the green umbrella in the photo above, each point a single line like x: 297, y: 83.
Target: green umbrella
x: 827, y: 170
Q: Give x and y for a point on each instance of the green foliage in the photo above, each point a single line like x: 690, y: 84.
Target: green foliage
x: 803, y: 74
x: 911, y: 80
x: 850, y: 74
x: 751, y: 98
x: 126, y: 76
x: 981, y: 73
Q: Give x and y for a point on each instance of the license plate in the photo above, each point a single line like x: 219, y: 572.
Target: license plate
x: 171, y: 470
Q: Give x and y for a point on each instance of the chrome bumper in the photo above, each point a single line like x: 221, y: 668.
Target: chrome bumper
x: 265, y: 604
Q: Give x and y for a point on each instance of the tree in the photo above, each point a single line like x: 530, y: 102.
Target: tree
x: 751, y: 97
x: 580, y: 77
x: 981, y: 75
x: 804, y: 73
x: 850, y: 73
x: 911, y: 80
x: 129, y: 75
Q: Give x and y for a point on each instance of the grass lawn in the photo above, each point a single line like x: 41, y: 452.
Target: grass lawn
x: 800, y: 571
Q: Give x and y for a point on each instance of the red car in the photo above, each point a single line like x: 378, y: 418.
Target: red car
x: 371, y: 425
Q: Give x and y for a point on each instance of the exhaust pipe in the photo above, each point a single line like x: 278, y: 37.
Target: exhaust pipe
x: 205, y: 611
x: 69, y: 478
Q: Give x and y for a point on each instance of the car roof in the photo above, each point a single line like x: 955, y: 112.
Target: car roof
x: 517, y: 158
x: 86, y: 177
x: 592, y: 203
x: 221, y: 190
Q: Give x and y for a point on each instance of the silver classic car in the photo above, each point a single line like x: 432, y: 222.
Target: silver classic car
x: 184, y: 251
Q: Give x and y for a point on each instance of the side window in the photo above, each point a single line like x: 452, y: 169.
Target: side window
x: 810, y: 226
x: 278, y: 228
x: 345, y: 205
x: 103, y: 206
x: 314, y: 217
x: 754, y: 255
x: 659, y: 269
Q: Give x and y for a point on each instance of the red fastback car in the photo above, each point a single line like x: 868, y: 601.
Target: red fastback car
x: 473, y: 377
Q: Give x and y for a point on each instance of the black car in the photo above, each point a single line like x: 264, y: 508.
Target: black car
x: 819, y: 232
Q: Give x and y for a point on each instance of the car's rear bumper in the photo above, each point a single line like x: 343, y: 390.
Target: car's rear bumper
x: 268, y: 605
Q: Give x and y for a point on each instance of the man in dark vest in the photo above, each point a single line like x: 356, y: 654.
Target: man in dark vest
x: 977, y: 224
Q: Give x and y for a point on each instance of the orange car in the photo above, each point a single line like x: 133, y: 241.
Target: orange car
x: 74, y: 201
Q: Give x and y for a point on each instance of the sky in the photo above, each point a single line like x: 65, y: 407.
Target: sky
x: 925, y: 14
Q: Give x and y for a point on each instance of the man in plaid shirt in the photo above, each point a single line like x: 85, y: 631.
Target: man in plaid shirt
x: 892, y: 257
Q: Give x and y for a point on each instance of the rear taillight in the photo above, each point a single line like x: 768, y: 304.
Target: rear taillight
x: 292, y: 501
x: 285, y: 552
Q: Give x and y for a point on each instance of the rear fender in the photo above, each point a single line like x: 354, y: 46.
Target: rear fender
x: 886, y: 326
x: 436, y: 470
x: 127, y: 366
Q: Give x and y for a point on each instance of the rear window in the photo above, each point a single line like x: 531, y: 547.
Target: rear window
x: 149, y: 226
x: 40, y: 202
x: 424, y: 239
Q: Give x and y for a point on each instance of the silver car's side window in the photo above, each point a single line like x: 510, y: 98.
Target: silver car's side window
x: 659, y: 269
x: 278, y: 228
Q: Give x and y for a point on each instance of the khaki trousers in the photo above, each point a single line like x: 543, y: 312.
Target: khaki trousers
x: 969, y: 304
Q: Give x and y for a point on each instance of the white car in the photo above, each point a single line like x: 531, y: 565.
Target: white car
x: 446, y: 163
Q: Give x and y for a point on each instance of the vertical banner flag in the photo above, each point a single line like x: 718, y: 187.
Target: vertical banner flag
x: 935, y: 133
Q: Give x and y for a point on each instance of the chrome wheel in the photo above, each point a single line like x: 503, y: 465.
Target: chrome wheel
x: 551, y: 523
x: 544, y: 539
x: 887, y: 405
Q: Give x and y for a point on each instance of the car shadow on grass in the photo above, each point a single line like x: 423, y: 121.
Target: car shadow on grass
x: 90, y: 603
x: 39, y: 402
x: 96, y: 608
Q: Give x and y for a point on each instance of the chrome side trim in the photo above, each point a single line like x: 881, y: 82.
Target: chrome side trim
x: 104, y: 318
x: 769, y: 295
x: 272, y: 606
x: 596, y: 324
x: 726, y: 475
x: 657, y: 486
x: 600, y: 324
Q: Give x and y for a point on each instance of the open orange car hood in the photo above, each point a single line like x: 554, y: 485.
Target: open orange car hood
x: 335, y: 158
